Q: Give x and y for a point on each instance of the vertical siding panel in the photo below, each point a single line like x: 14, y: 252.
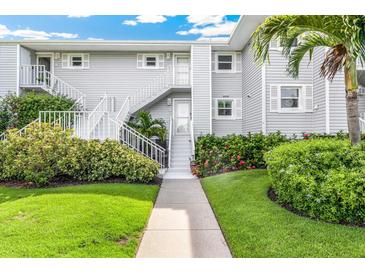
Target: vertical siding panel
x: 338, y: 118
x: 201, y: 88
x: 252, y: 92
x: 8, y: 69
x: 319, y: 93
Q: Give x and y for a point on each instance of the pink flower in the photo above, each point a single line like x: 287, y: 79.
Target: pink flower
x: 238, y: 157
x: 242, y: 163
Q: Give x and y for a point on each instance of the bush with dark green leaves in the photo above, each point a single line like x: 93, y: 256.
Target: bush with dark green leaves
x: 45, y: 152
x: 18, y: 111
x: 221, y: 154
x: 323, y: 178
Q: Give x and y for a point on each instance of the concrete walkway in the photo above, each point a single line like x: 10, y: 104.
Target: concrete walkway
x: 182, y: 224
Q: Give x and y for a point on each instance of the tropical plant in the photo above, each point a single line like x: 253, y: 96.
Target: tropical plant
x: 148, y: 126
x: 344, y: 36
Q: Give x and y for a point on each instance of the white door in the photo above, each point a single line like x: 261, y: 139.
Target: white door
x: 182, y: 117
x: 182, y: 70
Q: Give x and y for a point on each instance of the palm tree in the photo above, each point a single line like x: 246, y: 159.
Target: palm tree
x: 344, y: 36
x: 145, y: 124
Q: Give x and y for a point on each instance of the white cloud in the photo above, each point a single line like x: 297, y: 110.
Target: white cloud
x: 95, y: 39
x: 65, y: 35
x: 4, y: 31
x: 30, y: 34
x: 151, y: 19
x: 220, y: 29
x: 145, y: 19
x: 129, y: 22
x: 203, y: 20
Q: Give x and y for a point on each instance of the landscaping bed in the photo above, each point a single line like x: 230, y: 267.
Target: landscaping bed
x: 255, y: 226
x: 85, y: 221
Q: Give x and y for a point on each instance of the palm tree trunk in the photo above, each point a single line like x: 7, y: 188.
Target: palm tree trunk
x: 353, y: 117
x: 352, y: 103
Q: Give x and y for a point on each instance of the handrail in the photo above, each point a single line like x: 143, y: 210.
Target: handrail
x: 20, y: 131
x: 170, y: 138
x: 192, y: 139
x: 153, y: 88
x: 137, y: 141
x: 124, y: 110
x: 38, y: 76
x: 97, y: 114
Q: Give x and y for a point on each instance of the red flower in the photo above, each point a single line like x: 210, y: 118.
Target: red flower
x: 253, y: 167
x: 242, y: 163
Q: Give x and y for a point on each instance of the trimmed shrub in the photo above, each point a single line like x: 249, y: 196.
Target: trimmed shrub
x: 17, y: 112
x: 46, y: 152
x: 323, y: 178
x: 221, y: 154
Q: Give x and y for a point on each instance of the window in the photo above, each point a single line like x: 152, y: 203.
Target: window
x: 225, y: 107
x: 225, y: 62
x: 290, y: 97
x: 150, y: 61
x: 75, y: 60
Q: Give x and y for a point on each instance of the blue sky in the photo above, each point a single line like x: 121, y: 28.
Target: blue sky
x: 143, y: 27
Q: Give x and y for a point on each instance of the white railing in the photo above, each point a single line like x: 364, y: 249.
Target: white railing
x: 170, y: 139
x: 123, y: 113
x: 192, y: 138
x: 361, y: 90
x: 97, y: 115
x: 21, y: 131
x: 156, y: 87
x: 38, y: 76
x: 137, y: 141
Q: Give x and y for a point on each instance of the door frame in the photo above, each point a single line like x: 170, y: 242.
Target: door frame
x: 179, y: 54
x: 46, y: 54
x: 173, y: 113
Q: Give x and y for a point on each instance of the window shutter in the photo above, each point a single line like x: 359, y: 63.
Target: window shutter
x: 238, y: 62
x: 139, y: 60
x: 161, y: 61
x: 86, y: 60
x: 65, y: 60
x: 214, y: 108
x: 274, y: 98
x: 274, y: 43
x: 308, y: 98
x: 238, y: 109
x: 213, y: 61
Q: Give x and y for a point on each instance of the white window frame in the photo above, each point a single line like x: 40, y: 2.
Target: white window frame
x: 300, y: 108
x: 279, y: 48
x: 144, y: 61
x: 79, y: 54
x: 225, y: 117
x: 233, y: 67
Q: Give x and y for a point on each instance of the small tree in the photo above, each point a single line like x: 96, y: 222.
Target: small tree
x: 148, y: 126
x: 344, y: 36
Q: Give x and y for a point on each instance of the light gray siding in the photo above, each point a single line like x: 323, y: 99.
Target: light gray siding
x: 8, y: 69
x: 27, y: 57
x: 201, y: 89
x: 252, y: 92
x: 227, y: 85
x: 163, y: 110
x: 276, y: 73
x: 114, y: 73
x: 337, y: 100
x: 319, y: 93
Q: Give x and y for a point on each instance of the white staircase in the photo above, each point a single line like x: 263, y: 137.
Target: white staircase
x: 180, y: 154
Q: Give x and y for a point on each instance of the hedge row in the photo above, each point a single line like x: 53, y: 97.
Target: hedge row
x: 46, y: 152
x: 221, y: 154
x: 17, y: 112
x: 324, y: 178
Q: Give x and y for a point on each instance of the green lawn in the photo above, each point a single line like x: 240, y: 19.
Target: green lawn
x: 99, y: 220
x: 254, y: 226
